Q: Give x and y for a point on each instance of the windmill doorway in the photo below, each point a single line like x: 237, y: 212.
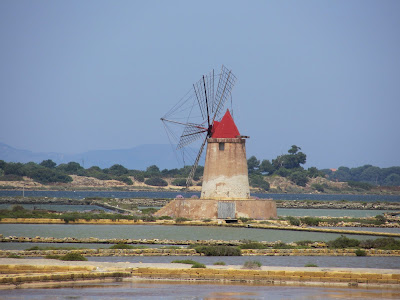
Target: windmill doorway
x: 227, y: 211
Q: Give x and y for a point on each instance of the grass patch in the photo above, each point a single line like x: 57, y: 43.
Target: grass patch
x: 360, y: 252
x: 252, y: 265
x: 253, y: 245
x: 198, y: 265
x: 73, y: 257
x: 149, y: 210
x: 52, y: 256
x: 181, y: 219
x: 121, y: 246
x: 218, y: 250
x: 293, y: 221
x: 184, y: 261
x: 310, y: 265
x: 219, y: 263
x: 194, y: 264
x: 343, y: 242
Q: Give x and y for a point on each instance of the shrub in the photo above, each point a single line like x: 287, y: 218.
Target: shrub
x: 361, y: 185
x: 293, y: 221
x: 282, y: 246
x: 310, y: 221
x: 179, y: 182
x: 257, y: 180
x: 304, y: 243
x: 198, y: 265
x: 219, y: 263
x: 11, y: 177
x: 121, y: 246
x: 381, y: 243
x: 125, y: 179
x: 253, y: 264
x: 184, y: 261
x: 379, y: 220
x: 343, y: 242
x: 165, y: 218
x: 207, y: 220
x: 156, y: 181
x: 253, y: 245
x: 218, y: 250
x: 298, y: 177
x: 139, y: 177
x: 17, y: 208
x: 318, y: 187
x: 52, y: 256
x: 245, y: 220
x: 181, y: 219
x: 310, y: 265
x: 73, y: 257
x: 360, y: 252
x: 148, y: 218
x: 149, y: 210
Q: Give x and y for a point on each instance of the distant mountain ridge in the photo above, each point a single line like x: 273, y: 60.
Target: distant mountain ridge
x: 139, y: 157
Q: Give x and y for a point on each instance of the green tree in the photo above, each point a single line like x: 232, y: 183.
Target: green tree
x: 257, y: 180
x: 48, y: 164
x: 153, y: 171
x: 299, y: 178
x: 70, y: 168
x: 266, y: 167
x: 253, y: 164
x: 392, y: 180
x: 294, y: 149
x: 371, y: 175
x: 118, y: 170
x: 156, y: 181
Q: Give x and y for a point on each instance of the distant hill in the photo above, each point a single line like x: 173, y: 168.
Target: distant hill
x: 138, y: 158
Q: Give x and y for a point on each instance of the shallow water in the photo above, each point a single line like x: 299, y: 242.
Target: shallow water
x: 57, y: 207
x: 278, y: 261
x: 146, y: 194
x: 178, y: 290
x: 167, y: 232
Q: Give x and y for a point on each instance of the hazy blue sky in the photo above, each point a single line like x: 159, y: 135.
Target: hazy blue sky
x: 89, y: 75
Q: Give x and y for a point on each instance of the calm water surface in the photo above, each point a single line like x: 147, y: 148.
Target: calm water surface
x: 175, y: 290
x: 145, y: 194
x: 165, y: 232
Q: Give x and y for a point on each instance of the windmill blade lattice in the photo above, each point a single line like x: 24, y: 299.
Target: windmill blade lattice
x: 191, y: 120
x: 225, y: 85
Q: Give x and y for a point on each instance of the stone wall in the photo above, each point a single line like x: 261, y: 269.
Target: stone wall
x: 196, y: 209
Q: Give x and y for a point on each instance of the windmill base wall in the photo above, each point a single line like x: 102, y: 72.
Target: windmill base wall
x: 196, y: 209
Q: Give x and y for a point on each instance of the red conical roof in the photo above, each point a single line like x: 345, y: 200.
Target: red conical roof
x: 226, y: 128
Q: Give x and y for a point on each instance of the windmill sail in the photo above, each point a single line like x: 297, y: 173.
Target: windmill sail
x: 225, y: 85
x: 196, y: 112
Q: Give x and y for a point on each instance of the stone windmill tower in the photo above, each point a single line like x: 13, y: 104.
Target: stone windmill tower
x: 225, y: 192
x: 225, y: 171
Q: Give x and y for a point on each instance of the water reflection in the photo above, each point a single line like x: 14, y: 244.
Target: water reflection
x: 195, y: 290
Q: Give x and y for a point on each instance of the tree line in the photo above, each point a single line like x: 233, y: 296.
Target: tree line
x: 288, y: 165
x: 49, y: 172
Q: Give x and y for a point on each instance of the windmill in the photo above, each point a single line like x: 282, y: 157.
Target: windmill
x: 197, y: 112
x: 225, y: 192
